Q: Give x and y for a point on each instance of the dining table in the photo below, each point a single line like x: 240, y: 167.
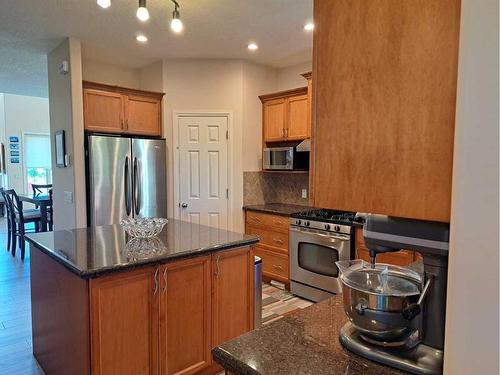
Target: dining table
x: 42, y: 201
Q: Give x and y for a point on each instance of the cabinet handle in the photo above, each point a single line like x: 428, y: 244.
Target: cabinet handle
x: 156, y: 281
x: 165, y: 279
x: 283, y: 133
x: 217, y: 266
x: 286, y: 133
x: 277, y: 240
x: 278, y: 267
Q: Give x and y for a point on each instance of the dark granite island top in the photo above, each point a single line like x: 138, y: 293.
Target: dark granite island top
x: 305, y: 342
x: 90, y: 252
x: 277, y: 208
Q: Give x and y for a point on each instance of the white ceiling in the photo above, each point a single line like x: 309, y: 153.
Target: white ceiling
x: 29, y: 29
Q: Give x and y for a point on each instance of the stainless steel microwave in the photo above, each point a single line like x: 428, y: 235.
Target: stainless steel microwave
x: 284, y: 158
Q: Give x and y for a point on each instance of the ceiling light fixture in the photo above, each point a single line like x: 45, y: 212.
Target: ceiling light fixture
x: 309, y: 26
x: 141, y: 38
x: 104, y: 3
x: 252, y: 46
x: 142, y: 11
x: 176, y: 24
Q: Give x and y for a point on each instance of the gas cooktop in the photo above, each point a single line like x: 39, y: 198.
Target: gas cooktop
x: 327, y: 216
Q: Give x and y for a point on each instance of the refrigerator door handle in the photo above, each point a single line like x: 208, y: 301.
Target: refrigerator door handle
x: 137, y: 187
x: 128, y: 197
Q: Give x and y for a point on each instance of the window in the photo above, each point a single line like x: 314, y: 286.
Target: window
x: 37, y: 160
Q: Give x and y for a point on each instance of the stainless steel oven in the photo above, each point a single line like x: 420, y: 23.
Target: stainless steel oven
x: 284, y: 158
x: 314, y: 249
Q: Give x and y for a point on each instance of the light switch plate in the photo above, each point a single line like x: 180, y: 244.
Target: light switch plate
x: 304, y: 193
x: 68, y: 196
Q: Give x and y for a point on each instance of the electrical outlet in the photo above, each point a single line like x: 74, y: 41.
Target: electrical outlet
x: 304, y: 193
x: 68, y: 196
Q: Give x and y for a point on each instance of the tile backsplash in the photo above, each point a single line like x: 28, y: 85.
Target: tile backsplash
x: 262, y: 187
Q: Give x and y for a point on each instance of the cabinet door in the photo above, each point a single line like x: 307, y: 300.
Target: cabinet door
x: 103, y: 111
x: 185, y: 316
x: 385, y: 124
x: 297, y: 117
x: 143, y: 115
x: 274, y: 120
x: 124, y: 321
x: 233, y: 300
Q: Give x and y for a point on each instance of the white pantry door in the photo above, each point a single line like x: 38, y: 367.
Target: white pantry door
x: 203, y: 175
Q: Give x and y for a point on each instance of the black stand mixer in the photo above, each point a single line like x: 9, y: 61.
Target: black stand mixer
x: 400, y: 320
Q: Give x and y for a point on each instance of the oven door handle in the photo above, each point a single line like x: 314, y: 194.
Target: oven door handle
x: 316, y: 233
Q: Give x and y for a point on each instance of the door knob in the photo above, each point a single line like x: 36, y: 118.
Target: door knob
x: 184, y: 205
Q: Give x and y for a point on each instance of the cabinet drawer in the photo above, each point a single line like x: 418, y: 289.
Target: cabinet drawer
x: 276, y: 222
x: 271, y: 238
x: 274, y: 265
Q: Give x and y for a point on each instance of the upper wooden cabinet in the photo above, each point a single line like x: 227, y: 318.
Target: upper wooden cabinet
x: 384, y: 104
x: 114, y: 109
x: 285, y: 115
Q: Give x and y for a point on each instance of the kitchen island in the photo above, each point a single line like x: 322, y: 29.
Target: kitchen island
x: 103, y: 303
x: 305, y: 342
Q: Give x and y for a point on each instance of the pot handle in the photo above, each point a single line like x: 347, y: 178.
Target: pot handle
x: 413, y: 309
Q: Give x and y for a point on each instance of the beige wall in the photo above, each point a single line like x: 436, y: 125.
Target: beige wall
x: 66, y: 113
x: 290, y: 78
x: 472, y: 329
x: 110, y: 74
x: 21, y: 114
x: 257, y: 80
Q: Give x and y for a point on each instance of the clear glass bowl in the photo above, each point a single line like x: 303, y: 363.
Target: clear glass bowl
x: 144, y: 227
x: 143, y: 248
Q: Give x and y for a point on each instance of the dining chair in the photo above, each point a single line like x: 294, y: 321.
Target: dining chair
x: 50, y: 211
x: 19, y: 219
x: 9, y: 214
x: 39, y: 189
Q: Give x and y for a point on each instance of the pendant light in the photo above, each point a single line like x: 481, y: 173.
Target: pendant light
x: 142, y: 11
x: 176, y: 24
x: 104, y: 3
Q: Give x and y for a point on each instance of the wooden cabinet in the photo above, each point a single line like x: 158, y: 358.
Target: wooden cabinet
x: 166, y: 319
x: 273, y: 231
x: 185, y: 316
x: 103, y: 111
x: 398, y: 258
x: 274, y: 112
x: 285, y: 115
x: 114, y: 109
x: 384, y: 98
x: 233, y: 294
x: 124, y: 323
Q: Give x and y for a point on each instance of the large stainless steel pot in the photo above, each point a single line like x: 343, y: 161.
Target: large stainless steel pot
x: 380, y: 301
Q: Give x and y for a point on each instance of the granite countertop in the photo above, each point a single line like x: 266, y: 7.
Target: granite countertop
x: 305, y: 342
x: 278, y: 208
x: 90, y: 252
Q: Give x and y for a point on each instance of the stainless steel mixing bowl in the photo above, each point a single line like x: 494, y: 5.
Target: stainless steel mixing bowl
x: 378, y: 312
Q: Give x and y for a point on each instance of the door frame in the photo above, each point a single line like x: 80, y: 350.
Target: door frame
x: 176, y: 115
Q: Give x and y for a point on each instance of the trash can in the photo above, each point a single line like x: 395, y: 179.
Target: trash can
x: 257, y: 287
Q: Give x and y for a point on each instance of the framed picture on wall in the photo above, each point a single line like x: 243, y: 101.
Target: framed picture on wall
x: 60, y: 149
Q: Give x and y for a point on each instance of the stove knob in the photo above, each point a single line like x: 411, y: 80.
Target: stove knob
x: 327, y: 226
x: 307, y: 223
x: 298, y: 222
x: 337, y: 228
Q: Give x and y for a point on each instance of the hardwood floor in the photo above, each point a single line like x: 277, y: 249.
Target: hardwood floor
x: 16, y: 356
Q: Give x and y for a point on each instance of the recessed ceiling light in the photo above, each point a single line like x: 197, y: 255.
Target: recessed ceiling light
x: 309, y: 26
x: 141, y: 38
x: 104, y: 3
x: 252, y: 46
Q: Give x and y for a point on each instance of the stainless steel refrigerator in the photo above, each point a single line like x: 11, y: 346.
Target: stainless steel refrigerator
x: 126, y: 177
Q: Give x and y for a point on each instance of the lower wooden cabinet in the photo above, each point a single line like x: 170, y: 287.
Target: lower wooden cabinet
x: 166, y: 319
x: 185, y: 316
x: 124, y: 316
x: 232, y: 306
